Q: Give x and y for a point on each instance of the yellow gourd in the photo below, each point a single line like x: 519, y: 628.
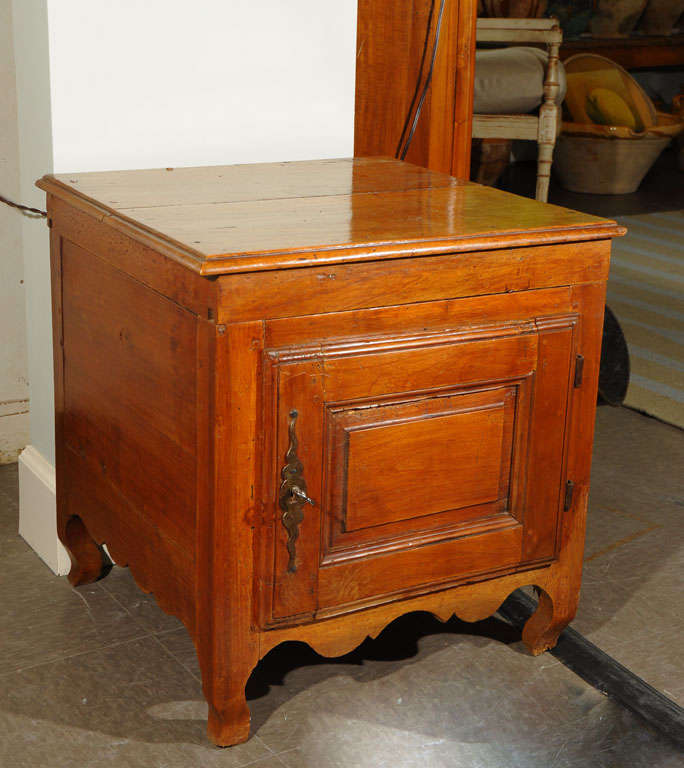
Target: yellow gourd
x: 605, y: 107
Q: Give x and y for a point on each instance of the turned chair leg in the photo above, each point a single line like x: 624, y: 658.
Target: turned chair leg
x: 549, y: 123
x: 89, y: 561
x: 546, y: 141
x: 544, y: 162
x: 553, y: 614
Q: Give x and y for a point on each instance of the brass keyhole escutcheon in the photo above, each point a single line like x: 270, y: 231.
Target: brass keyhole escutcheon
x: 292, y: 496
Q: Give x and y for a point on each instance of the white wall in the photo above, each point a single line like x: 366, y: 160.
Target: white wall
x: 36, y: 463
x: 35, y: 158
x: 14, y: 419
x: 159, y: 83
x: 141, y: 83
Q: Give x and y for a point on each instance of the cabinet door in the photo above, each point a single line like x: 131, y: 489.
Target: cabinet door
x: 429, y: 459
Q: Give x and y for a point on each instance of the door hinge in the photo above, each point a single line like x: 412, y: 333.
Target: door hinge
x: 579, y: 370
x: 569, y: 489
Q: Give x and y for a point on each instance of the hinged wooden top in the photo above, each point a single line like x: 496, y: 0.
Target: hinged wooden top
x: 245, y: 218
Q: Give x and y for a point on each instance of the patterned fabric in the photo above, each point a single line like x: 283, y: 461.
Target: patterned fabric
x: 646, y: 293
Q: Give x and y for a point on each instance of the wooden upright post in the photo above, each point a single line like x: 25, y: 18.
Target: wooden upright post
x: 393, y: 39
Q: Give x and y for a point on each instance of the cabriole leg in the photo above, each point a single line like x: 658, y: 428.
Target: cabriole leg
x: 229, y: 720
x: 89, y: 561
x: 552, y: 616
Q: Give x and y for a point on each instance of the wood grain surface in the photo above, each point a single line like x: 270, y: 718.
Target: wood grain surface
x: 393, y: 53
x: 298, y: 214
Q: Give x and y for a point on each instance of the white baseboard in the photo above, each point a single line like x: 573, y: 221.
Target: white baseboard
x: 38, y: 509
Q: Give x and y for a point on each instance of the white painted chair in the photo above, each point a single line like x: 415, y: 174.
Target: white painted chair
x: 544, y: 125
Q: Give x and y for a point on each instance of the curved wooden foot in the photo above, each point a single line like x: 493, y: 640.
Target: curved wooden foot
x: 230, y: 725
x: 552, y: 616
x: 89, y: 561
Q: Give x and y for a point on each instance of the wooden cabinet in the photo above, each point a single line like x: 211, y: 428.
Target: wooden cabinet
x: 299, y: 400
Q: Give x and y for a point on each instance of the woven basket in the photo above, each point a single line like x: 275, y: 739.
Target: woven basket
x: 609, y: 159
x: 605, y: 166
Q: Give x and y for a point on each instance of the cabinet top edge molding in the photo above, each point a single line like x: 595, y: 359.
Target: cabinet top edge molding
x: 254, y: 217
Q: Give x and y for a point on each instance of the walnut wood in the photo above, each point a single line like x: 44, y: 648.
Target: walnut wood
x: 464, y: 89
x: 417, y: 510
x: 88, y: 561
x: 296, y: 223
x: 225, y: 640
x: 386, y: 283
x: 160, y: 267
x: 121, y: 190
x: 390, y: 46
x: 441, y: 315
x: 127, y: 403
x: 464, y: 473
x: 431, y: 368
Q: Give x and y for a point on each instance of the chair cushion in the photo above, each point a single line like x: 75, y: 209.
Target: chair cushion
x: 510, y: 81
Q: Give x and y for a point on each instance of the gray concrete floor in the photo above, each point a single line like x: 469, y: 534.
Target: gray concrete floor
x: 99, y: 676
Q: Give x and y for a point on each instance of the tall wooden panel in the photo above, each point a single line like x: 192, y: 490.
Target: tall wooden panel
x: 391, y: 44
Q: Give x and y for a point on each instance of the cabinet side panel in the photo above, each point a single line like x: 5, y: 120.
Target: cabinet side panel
x: 160, y: 268
x: 129, y: 423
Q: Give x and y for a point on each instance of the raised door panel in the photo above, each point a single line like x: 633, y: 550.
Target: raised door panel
x: 414, y: 469
x: 454, y: 456
x: 418, y: 454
